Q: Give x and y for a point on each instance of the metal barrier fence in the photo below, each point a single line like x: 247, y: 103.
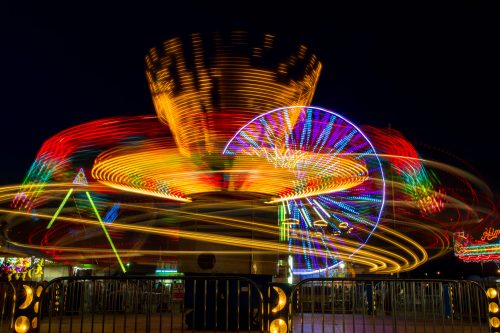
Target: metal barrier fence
x: 7, y: 305
x: 151, y: 304
x: 387, y: 306
x: 210, y: 304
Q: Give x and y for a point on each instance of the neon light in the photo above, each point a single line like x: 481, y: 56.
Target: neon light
x: 290, y: 269
x: 106, y: 232
x: 112, y: 214
x: 320, y: 223
x: 56, y: 155
x: 166, y: 271
x: 321, y: 207
x: 60, y: 208
x: 470, y: 250
x: 80, y: 178
x: 290, y: 221
x: 490, y: 234
x: 281, y: 217
x: 419, y: 183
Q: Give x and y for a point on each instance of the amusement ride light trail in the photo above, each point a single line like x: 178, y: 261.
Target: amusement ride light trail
x: 231, y: 161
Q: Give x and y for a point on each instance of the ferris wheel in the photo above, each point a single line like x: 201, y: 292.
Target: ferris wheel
x: 335, y: 188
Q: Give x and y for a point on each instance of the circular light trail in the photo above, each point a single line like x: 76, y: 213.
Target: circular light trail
x: 336, y: 178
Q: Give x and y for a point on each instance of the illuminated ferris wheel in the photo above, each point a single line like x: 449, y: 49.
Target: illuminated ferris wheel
x: 335, y: 188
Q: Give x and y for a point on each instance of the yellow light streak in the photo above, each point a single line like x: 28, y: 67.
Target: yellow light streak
x: 56, y: 214
x: 225, y: 89
x: 106, y: 232
x: 389, y: 249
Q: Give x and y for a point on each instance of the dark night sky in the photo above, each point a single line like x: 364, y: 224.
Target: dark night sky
x: 430, y: 71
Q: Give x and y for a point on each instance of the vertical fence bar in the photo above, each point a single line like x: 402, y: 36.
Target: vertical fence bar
x: 114, y: 302
x: 332, y: 303
x: 451, y: 292
x: 269, y: 287
x: 51, y: 306
x: 237, y: 305
x: 373, y: 305
x: 194, y: 305
x: 160, y: 286
x: 216, y: 299
x: 352, y: 298
x: 171, y: 305
x: 105, y: 303
x: 394, y: 306
x: 126, y: 305
x: 4, y: 301
x: 478, y: 305
x: 384, y: 291
x: 227, y: 305
x: 82, y: 303
x: 62, y: 300
x: 137, y: 294
x: 405, y: 305
x: 183, y: 310
x: 423, y: 296
x: 460, y: 305
x: 431, y: 305
x: 414, y: 296
x: 68, y: 306
x: 342, y: 290
x: 443, y: 295
x: 363, y: 301
x: 249, y: 306
x: 313, y: 304
x: 92, y: 297
x: 300, y: 297
x: 205, y: 305
x: 261, y: 316
x: 469, y: 305
x: 322, y: 306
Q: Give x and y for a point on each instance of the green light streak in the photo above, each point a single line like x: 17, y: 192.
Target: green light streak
x: 106, y: 232
x: 59, y: 209
x: 281, y: 217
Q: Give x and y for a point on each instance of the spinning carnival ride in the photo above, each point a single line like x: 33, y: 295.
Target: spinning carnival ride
x: 231, y: 167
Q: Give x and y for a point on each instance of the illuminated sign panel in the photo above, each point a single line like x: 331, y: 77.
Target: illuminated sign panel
x: 479, y: 249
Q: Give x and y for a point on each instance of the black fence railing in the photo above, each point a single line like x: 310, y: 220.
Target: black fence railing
x: 151, y: 304
x: 388, y: 306
x: 238, y: 304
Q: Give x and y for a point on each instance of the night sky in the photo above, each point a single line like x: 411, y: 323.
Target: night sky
x: 431, y: 72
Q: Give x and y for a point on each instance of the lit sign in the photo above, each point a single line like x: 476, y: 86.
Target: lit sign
x: 490, y: 233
